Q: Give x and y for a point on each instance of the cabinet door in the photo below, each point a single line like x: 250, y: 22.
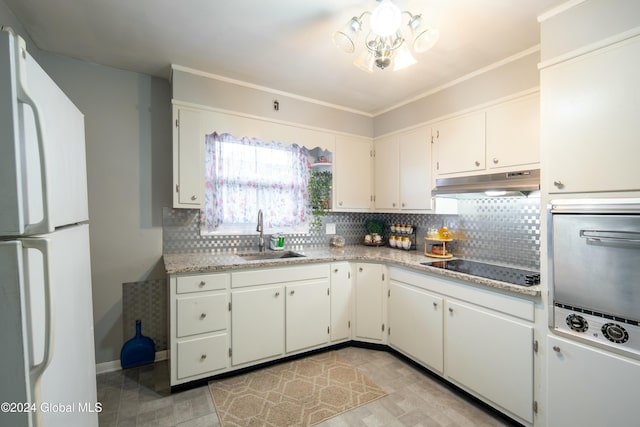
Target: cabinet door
x: 352, y: 175
x: 590, y: 107
x: 386, y: 167
x: 415, y: 324
x: 415, y: 169
x: 460, y: 144
x: 307, y: 314
x: 491, y: 355
x: 340, y: 301
x: 188, y: 159
x: 590, y: 387
x: 513, y: 133
x: 369, y: 301
x: 257, y: 324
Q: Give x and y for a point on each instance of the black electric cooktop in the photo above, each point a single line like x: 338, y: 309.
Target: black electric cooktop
x: 489, y: 271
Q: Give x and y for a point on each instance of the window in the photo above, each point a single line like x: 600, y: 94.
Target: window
x: 247, y: 174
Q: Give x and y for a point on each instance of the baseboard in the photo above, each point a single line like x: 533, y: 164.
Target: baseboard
x: 114, y: 365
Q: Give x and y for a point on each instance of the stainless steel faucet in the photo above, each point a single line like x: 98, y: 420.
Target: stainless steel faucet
x: 260, y: 229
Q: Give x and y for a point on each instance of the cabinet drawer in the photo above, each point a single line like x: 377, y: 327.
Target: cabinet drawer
x: 200, y: 314
x: 279, y: 275
x: 201, y: 355
x: 202, y: 282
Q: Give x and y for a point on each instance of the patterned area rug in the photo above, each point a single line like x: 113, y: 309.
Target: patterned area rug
x: 301, y: 392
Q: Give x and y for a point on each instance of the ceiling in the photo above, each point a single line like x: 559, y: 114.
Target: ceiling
x: 284, y: 45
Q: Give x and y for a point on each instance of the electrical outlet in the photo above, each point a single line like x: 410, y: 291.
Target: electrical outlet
x: 330, y: 228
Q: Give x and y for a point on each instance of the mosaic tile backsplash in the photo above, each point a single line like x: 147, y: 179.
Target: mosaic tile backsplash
x: 501, y: 230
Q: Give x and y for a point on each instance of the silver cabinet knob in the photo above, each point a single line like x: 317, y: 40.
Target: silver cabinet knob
x: 556, y: 349
x: 340, y: 203
x: 477, y: 163
x: 404, y: 204
x: 202, y: 283
x: 435, y: 305
x: 194, y: 197
x: 204, y: 356
x: 360, y: 270
x: 495, y: 160
x: 335, y: 271
x: 558, y: 184
x: 292, y: 292
x: 277, y: 294
x: 393, y: 204
x: 450, y: 310
x: 203, y: 315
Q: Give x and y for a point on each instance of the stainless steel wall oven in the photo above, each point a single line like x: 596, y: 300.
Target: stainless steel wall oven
x: 594, y: 272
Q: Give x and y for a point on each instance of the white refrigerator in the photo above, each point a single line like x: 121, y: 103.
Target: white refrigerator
x: 47, y: 357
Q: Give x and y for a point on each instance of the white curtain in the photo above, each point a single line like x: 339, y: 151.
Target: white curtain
x: 247, y: 174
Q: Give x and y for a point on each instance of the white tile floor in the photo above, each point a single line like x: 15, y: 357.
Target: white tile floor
x: 141, y: 397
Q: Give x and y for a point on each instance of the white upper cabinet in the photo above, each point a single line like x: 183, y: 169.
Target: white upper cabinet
x: 403, y: 171
x: 352, y: 174
x: 513, y: 133
x: 591, y: 120
x: 188, y: 158
x: 460, y: 144
x: 386, y: 167
x: 503, y: 137
x: 415, y: 170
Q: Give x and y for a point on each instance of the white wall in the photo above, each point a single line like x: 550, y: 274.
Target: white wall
x: 128, y: 138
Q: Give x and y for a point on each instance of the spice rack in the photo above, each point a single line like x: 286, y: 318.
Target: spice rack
x: 400, y: 232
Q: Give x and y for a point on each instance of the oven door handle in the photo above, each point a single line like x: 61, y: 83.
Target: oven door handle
x: 630, y: 238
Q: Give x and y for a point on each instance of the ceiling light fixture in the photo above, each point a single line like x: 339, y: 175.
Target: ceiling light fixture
x: 385, y: 44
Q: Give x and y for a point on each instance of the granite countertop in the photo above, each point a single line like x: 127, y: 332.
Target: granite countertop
x: 218, y: 262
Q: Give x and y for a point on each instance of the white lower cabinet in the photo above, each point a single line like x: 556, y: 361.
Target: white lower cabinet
x: 590, y: 387
x: 201, y: 355
x: 199, y: 326
x: 415, y: 324
x: 278, y: 310
x: 307, y: 315
x: 490, y: 354
x: 341, y: 307
x: 257, y: 323
x: 478, y: 339
x: 370, y: 302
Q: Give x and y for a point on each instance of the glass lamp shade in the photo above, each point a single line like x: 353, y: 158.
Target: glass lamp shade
x: 404, y: 58
x: 386, y: 19
x: 365, y: 61
x: 423, y: 37
x: 345, y: 38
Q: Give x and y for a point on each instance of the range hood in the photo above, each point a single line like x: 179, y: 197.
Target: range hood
x: 524, y: 182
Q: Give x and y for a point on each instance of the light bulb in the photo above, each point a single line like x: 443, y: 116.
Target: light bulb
x: 385, y: 19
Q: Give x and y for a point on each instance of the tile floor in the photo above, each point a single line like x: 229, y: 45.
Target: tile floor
x: 141, y: 397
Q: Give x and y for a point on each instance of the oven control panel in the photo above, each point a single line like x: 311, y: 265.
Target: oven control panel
x: 612, y: 334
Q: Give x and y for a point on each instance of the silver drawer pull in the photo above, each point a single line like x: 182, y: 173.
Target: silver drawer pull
x: 194, y: 197
x: 204, y: 356
x: 202, y: 283
x: 556, y: 349
x: 203, y: 315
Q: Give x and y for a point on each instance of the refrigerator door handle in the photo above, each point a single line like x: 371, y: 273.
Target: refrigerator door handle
x: 43, y: 226
x: 44, y: 246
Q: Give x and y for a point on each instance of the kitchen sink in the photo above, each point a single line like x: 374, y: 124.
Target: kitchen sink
x: 257, y: 256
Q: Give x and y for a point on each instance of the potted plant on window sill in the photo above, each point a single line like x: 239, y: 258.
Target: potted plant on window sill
x: 319, y: 196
